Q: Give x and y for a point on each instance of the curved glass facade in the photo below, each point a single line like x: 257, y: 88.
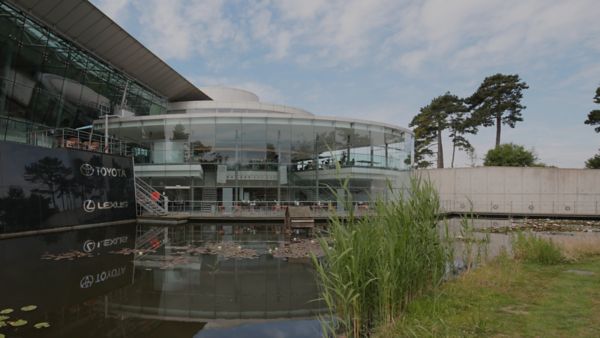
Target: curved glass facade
x: 49, y: 81
x: 265, y: 158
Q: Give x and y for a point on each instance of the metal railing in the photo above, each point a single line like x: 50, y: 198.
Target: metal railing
x: 83, y: 140
x: 319, y: 209
x: 149, y: 199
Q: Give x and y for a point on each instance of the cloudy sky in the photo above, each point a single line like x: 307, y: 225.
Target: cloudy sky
x: 384, y: 59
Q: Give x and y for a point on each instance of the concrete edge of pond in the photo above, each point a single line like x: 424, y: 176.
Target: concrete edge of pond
x: 65, y: 228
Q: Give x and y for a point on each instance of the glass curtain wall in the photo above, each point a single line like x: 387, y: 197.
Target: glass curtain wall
x: 265, y: 158
x: 46, y: 80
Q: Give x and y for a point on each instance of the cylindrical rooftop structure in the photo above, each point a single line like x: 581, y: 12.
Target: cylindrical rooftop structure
x: 226, y: 94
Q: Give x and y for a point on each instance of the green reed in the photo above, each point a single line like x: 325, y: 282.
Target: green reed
x: 374, y: 266
x: 535, y: 249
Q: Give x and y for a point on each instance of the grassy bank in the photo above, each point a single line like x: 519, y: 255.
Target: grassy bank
x: 510, y: 297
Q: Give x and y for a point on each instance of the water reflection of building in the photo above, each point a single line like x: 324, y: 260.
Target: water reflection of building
x: 172, y: 283
x: 92, y: 279
x: 208, y: 288
x: 66, y: 276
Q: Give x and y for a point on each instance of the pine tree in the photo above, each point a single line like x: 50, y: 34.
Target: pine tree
x: 593, y: 118
x: 431, y: 122
x: 497, y: 101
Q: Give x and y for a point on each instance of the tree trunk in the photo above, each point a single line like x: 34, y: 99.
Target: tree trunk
x: 498, y: 129
x: 440, y: 152
x: 453, y: 152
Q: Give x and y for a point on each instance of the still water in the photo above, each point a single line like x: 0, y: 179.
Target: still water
x: 140, y: 281
x: 176, y: 281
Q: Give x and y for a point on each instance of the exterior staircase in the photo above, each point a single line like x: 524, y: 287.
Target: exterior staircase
x: 209, y: 198
x: 149, y: 199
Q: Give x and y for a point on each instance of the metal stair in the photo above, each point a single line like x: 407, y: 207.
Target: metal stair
x: 209, y: 198
x: 143, y: 197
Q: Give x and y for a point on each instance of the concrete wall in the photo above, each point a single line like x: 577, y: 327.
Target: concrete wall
x: 510, y: 190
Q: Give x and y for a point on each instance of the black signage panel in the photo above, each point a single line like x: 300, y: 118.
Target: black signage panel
x: 48, y: 188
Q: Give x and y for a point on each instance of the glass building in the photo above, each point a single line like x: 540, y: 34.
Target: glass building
x: 238, y: 149
x: 64, y: 64
x: 49, y: 81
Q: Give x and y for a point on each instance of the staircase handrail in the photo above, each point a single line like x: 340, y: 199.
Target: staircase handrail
x: 149, y: 198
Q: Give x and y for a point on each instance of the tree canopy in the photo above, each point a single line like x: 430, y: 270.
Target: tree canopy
x: 593, y: 118
x: 510, y: 155
x: 460, y: 123
x: 593, y: 162
x: 432, y: 120
x: 497, y: 101
x: 423, y: 143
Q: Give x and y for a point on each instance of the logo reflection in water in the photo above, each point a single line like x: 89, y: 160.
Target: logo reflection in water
x: 89, y: 282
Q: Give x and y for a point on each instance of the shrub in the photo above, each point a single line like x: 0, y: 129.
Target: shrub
x: 535, y: 249
x: 510, y: 155
x: 593, y: 162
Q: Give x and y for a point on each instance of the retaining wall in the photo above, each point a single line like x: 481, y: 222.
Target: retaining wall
x: 511, y: 190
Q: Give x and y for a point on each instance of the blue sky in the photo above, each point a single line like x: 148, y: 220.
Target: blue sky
x: 384, y: 59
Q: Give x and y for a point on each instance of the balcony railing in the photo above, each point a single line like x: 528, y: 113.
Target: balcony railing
x: 320, y: 209
x: 21, y: 131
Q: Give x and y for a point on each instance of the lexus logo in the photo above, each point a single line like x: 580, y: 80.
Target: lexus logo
x: 86, y: 282
x: 86, y: 169
x: 89, y: 246
x: 89, y: 206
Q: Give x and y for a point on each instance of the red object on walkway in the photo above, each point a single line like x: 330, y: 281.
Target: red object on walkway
x: 155, y: 195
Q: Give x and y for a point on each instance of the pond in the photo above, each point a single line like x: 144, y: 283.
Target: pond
x: 216, y: 280
x: 96, y: 283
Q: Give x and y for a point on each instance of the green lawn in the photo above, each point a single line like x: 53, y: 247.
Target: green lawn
x: 507, y: 298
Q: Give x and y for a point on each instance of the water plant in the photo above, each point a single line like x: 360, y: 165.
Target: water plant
x: 536, y: 249
x: 375, y: 265
x: 474, y: 246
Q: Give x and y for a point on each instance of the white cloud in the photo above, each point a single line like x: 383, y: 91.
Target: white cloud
x: 463, y: 34
x: 473, y: 34
x: 178, y: 29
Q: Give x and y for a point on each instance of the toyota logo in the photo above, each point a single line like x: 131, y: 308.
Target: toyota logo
x: 89, y: 206
x: 89, y: 246
x: 86, y: 169
x: 86, y: 282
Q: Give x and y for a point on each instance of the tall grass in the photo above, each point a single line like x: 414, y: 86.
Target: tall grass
x: 374, y: 266
x: 473, y: 248
x: 579, y: 247
x: 535, y: 249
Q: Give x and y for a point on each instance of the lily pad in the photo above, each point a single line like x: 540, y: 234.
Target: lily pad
x: 29, y: 308
x: 18, y: 322
x: 41, y: 325
x: 3, y: 318
x: 2, y: 336
x: 2, y: 323
x: 6, y: 311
